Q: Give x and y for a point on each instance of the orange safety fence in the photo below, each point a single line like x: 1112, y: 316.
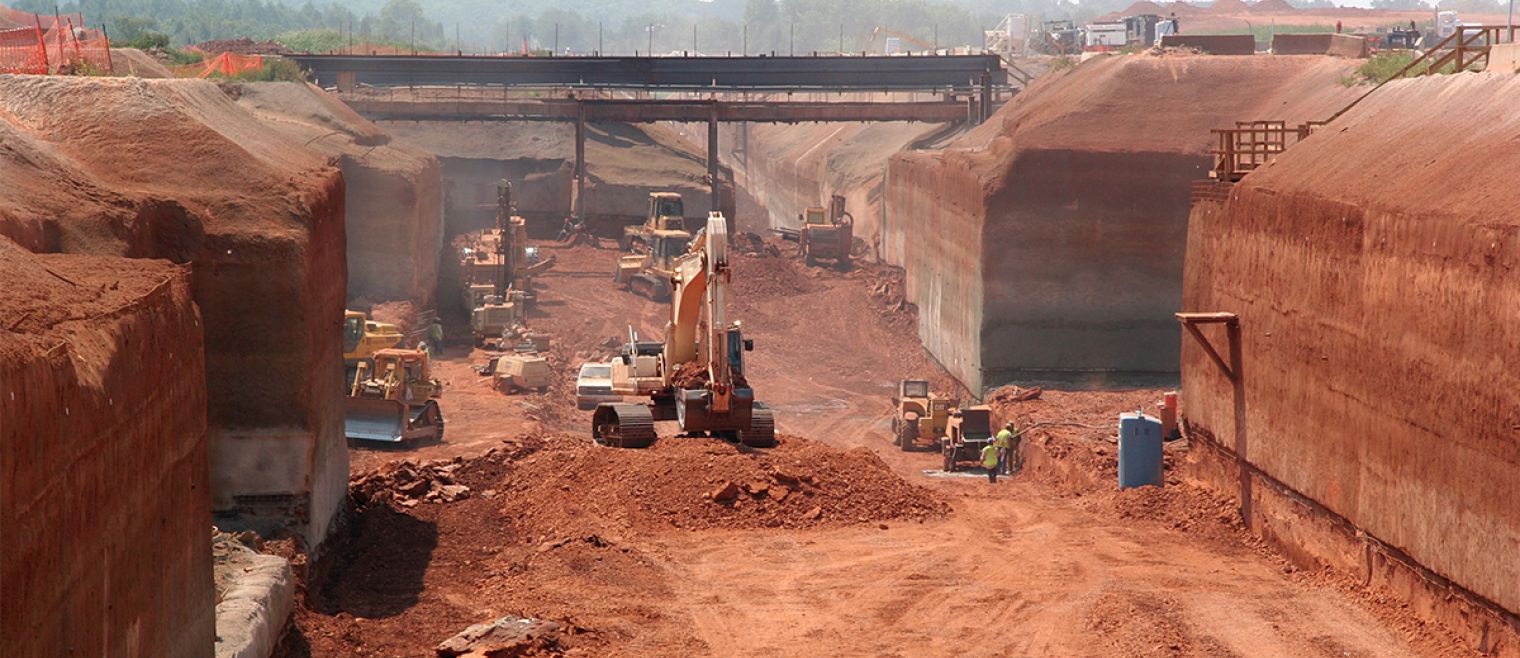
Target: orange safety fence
x: 226, y: 65
x: 51, y: 44
x: 21, y: 51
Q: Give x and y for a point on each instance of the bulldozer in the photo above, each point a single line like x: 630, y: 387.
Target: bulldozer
x: 649, y: 273
x: 823, y: 233
x: 363, y: 337
x: 666, y: 213
x: 966, y: 432
x: 920, y: 414
x: 696, y: 375
x: 395, y: 401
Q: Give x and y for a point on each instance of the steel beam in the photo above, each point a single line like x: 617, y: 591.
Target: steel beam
x: 646, y: 111
x: 962, y: 72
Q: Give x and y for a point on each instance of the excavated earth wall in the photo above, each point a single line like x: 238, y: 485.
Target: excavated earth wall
x: 1047, y: 243
x: 105, y: 507
x: 175, y: 169
x: 1377, y: 420
x: 393, y: 201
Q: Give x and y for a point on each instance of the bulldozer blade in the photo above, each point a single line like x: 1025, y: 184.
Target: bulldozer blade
x: 374, y: 420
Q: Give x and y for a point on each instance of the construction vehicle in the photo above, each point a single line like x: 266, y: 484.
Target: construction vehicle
x: 823, y: 234
x: 495, y: 316
x: 920, y: 414
x: 363, y: 337
x: 514, y: 373
x: 394, y: 401
x: 696, y: 375
x: 1060, y: 38
x: 649, y: 272
x: 666, y: 213
x: 967, y: 431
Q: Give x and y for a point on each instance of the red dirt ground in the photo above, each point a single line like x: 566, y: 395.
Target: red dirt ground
x: 629, y: 551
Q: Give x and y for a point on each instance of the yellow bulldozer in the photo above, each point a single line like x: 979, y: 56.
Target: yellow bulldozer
x: 920, y: 414
x: 649, y: 272
x: 394, y: 401
x: 666, y: 213
x: 826, y: 234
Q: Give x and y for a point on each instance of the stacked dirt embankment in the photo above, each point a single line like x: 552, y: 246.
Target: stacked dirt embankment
x: 104, y: 502
x: 175, y: 169
x: 1373, y: 271
x: 624, y: 163
x: 393, y: 198
x: 1047, y: 243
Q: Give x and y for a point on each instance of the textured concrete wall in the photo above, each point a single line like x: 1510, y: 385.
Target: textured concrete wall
x: 1317, y: 43
x: 394, y: 230
x: 1082, y: 256
x: 1213, y: 44
x: 274, y: 310
x: 104, y: 502
x: 1379, y: 324
x: 935, y: 216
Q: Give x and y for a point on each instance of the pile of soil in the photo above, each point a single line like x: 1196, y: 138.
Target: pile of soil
x: 138, y: 64
x: 568, y: 485
x: 242, y: 46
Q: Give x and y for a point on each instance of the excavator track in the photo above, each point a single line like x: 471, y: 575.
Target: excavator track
x: 762, y: 428
x: 623, y: 425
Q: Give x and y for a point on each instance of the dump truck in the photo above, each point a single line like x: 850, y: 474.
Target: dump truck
x: 363, y: 337
x: 919, y: 415
x: 823, y: 233
x: 648, y: 272
x: 394, y: 401
x: 967, y: 431
x: 696, y: 375
x: 666, y: 213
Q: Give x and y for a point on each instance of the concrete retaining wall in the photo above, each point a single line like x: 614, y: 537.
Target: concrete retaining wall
x: 1213, y: 44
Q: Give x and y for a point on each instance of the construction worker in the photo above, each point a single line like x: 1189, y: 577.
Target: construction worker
x: 1003, y: 441
x: 990, y: 461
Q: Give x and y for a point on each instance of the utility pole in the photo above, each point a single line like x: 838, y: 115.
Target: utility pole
x: 598, y: 38
x: 556, y: 39
x: 414, y: 36
x: 650, y: 52
x: 792, y: 45
x: 693, y: 38
x: 745, y: 52
x: 841, y: 39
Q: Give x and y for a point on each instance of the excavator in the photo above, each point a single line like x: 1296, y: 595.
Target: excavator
x: 696, y: 375
x: 395, y: 402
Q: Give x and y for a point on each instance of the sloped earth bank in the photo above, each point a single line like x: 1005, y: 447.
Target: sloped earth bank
x: 629, y: 551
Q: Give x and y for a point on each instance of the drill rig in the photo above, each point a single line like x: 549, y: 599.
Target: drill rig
x: 696, y: 376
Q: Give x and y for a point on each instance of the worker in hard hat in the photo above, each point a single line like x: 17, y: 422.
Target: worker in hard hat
x: 1007, y: 442
x: 990, y: 461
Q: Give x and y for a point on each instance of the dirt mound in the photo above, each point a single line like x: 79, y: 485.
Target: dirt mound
x: 1229, y: 7
x: 765, y: 275
x: 1274, y: 7
x: 138, y: 64
x: 569, y: 486
x: 242, y: 46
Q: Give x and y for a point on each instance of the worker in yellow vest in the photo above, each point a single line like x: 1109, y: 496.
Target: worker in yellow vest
x: 990, y: 461
x: 1007, y: 442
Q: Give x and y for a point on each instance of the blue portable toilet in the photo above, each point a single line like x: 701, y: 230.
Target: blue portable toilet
x: 1139, y: 451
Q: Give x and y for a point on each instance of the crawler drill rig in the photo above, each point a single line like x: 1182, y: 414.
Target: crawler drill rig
x: 696, y: 376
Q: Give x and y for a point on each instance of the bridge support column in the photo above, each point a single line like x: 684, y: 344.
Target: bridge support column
x: 580, y: 161
x: 986, y: 96
x: 712, y: 154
